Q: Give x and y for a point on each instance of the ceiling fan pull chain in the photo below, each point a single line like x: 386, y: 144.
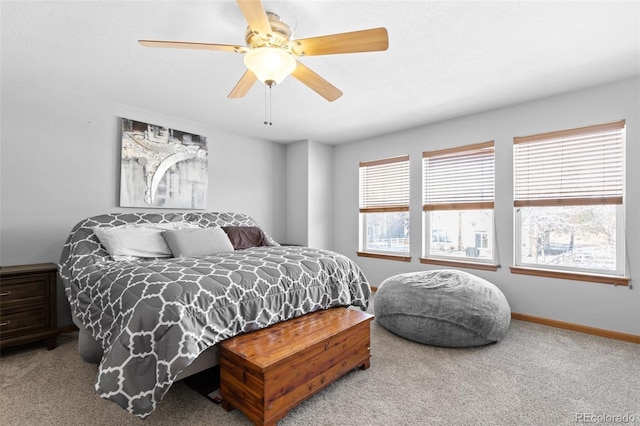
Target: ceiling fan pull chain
x: 270, y: 106
x: 267, y: 108
x: 265, y: 105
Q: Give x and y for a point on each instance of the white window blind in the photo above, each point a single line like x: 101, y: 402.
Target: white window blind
x: 384, y: 185
x: 582, y: 166
x: 459, y: 178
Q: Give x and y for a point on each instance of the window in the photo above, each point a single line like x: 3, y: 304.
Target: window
x: 568, y: 201
x: 458, y: 199
x: 384, y: 208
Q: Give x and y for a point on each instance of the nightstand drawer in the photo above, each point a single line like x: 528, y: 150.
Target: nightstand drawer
x: 18, y: 321
x: 22, y: 290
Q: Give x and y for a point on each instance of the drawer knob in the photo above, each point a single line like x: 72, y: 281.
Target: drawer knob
x: 5, y: 293
x: 2, y: 324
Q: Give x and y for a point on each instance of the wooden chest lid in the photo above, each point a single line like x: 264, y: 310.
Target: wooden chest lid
x: 269, y: 345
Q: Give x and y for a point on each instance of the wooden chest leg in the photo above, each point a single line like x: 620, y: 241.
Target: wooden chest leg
x: 225, y: 404
x: 365, y: 365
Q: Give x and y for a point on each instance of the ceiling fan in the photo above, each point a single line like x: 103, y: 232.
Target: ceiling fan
x: 271, y: 53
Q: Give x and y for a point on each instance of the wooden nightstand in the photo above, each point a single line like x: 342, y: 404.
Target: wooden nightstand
x: 28, y: 304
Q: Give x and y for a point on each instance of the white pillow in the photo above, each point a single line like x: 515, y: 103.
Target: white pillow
x: 197, y: 242
x: 132, y: 241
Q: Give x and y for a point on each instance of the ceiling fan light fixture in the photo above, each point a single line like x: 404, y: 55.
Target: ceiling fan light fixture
x: 270, y: 64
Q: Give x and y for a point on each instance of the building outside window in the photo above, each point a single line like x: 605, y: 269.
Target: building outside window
x: 458, y: 203
x: 384, y: 208
x: 569, y: 200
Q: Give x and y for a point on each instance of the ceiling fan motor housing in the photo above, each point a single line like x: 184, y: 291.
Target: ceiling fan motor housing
x: 280, y: 35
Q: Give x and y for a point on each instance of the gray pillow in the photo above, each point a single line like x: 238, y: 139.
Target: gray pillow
x: 137, y: 240
x: 197, y: 242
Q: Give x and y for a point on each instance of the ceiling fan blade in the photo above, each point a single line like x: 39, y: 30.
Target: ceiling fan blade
x: 316, y: 83
x: 371, y: 40
x: 190, y: 45
x: 255, y: 15
x: 243, y: 86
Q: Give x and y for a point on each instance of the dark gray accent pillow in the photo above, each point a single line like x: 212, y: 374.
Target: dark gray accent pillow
x: 197, y: 241
x: 243, y: 237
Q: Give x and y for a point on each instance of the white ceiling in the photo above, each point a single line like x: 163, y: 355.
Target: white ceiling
x: 445, y: 59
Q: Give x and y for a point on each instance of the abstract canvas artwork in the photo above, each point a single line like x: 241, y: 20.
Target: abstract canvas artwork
x: 162, y: 167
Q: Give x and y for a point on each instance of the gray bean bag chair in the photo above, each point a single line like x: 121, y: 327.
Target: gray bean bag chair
x: 443, y: 308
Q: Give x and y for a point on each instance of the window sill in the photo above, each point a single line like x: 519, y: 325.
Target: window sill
x: 384, y: 256
x: 577, y: 276
x: 459, y: 264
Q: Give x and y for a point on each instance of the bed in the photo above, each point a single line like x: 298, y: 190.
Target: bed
x: 149, y: 316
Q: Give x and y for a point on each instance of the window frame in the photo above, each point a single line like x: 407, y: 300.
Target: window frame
x: 570, y: 198
x: 462, y: 200
x: 396, y: 196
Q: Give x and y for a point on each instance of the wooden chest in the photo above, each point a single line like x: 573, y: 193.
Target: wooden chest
x: 267, y: 372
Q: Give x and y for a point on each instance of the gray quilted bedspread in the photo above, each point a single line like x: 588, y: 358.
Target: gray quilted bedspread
x: 155, y: 316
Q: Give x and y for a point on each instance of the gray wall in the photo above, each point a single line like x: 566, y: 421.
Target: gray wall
x: 596, y: 305
x: 60, y: 155
x: 60, y: 163
x: 319, y: 199
x: 297, y: 193
x: 309, y: 200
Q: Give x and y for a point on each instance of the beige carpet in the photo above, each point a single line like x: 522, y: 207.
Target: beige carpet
x: 537, y: 376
